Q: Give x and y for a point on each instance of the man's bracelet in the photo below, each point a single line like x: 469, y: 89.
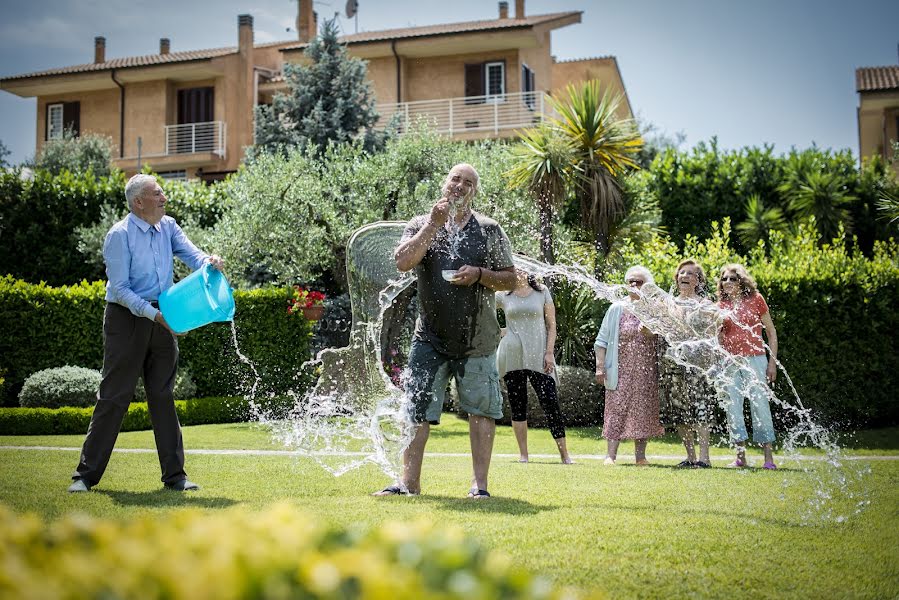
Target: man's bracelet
x: 480, y: 272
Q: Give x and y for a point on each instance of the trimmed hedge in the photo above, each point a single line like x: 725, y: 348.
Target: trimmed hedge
x: 238, y: 553
x: 70, y: 420
x: 44, y: 327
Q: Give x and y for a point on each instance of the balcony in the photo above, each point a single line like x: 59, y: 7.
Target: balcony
x: 471, y: 117
x: 191, y: 138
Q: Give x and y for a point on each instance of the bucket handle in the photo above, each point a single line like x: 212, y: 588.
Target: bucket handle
x: 207, y: 268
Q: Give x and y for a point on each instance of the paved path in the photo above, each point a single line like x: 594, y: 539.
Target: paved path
x: 622, y: 458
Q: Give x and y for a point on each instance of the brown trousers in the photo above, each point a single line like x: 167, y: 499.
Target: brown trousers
x: 134, y: 346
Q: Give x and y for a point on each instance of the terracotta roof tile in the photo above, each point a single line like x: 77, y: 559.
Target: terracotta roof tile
x: 877, y: 78
x: 130, y: 61
x: 443, y: 29
x: 367, y: 36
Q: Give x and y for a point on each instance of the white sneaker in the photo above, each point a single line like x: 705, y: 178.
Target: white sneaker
x: 79, y: 486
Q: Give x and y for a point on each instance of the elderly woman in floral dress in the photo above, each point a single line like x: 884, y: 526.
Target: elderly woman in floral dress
x: 626, y: 364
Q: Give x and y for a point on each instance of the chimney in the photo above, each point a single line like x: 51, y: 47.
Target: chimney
x: 305, y: 20
x: 244, y: 32
x: 519, y: 9
x: 99, y: 49
x: 164, y: 45
x: 503, y: 10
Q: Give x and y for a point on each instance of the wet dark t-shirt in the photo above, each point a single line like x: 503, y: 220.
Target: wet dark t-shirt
x: 459, y: 321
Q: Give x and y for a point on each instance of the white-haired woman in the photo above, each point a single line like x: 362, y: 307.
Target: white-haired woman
x: 749, y: 370
x: 626, y: 364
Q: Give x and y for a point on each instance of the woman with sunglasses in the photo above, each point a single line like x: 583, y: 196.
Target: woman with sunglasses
x: 687, y: 397
x: 525, y: 354
x: 626, y: 364
x: 748, y: 370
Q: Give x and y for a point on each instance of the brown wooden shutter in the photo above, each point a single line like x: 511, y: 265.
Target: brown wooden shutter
x: 71, y: 117
x: 474, y: 82
x: 196, y: 105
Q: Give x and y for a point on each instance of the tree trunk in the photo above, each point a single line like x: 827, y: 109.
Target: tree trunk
x: 601, y: 245
x: 546, y: 234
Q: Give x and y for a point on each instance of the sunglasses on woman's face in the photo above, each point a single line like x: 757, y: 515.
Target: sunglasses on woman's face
x: 730, y: 278
x: 637, y: 282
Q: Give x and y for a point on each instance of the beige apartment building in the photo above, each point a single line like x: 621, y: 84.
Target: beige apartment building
x: 878, y: 111
x: 190, y: 114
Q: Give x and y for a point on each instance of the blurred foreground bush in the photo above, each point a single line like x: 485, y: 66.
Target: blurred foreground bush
x: 239, y: 554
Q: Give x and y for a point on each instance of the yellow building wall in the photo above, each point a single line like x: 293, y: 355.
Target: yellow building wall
x: 603, y: 69
x: 145, y: 117
x: 538, y: 60
x: 99, y: 113
x: 435, y: 78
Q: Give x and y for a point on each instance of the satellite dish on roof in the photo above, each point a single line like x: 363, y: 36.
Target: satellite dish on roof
x: 351, y: 7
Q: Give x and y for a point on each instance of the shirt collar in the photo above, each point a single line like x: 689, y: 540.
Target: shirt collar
x: 143, y: 225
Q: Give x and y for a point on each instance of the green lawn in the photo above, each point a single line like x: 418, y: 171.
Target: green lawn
x: 632, y: 532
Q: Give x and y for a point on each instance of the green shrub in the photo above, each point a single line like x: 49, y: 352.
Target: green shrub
x: 197, y: 411
x: 239, y: 553
x: 90, y: 152
x: 38, y: 219
x: 61, y: 386
x: 44, y: 326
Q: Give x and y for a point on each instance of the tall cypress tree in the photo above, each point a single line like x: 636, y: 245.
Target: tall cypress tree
x: 328, y: 99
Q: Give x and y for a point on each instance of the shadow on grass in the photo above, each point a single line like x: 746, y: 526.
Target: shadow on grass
x: 495, y: 504
x: 167, y: 498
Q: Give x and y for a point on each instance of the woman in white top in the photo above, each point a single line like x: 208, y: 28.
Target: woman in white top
x: 526, y: 353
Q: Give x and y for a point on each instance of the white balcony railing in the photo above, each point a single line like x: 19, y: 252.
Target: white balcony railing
x: 454, y: 116
x: 195, y: 137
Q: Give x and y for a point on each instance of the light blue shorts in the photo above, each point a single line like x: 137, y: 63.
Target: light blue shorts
x: 428, y: 374
x: 746, y: 375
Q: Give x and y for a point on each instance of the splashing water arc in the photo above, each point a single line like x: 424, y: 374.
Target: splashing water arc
x: 355, y: 415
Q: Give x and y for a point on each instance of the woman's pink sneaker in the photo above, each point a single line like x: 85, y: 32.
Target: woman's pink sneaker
x: 770, y: 466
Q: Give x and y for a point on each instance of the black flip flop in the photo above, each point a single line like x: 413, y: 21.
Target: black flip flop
x: 478, y: 494
x: 392, y: 490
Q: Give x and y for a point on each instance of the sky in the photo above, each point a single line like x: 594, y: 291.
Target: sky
x: 750, y: 72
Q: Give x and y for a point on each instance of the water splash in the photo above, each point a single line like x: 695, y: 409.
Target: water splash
x: 355, y: 414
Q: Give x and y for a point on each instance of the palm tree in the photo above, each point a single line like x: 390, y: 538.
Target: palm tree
x: 825, y: 196
x: 760, y: 221
x: 605, y: 147
x: 888, y: 206
x: 544, y: 162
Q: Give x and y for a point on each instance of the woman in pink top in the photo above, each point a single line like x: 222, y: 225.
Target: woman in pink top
x: 748, y: 369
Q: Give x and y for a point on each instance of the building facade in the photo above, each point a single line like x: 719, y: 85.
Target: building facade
x: 190, y: 114
x: 878, y: 111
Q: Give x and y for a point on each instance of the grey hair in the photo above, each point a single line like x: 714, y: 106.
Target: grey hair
x: 136, y: 186
x: 640, y: 270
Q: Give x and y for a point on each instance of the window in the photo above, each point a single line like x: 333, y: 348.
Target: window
x: 61, y: 117
x: 54, y: 122
x: 173, y: 175
x: 196, y: 105
x: 528, y: 81
x: 495, y: 81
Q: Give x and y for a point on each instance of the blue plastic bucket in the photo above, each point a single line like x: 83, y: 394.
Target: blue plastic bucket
x: 201, y: 298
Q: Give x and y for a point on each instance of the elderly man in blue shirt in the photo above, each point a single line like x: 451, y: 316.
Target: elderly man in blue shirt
x: 139, y: 252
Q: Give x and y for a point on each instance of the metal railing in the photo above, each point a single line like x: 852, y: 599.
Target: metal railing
x: 453, y: 116
x: 195, y: 137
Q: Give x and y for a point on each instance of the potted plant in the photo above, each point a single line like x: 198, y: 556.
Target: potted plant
x: 310, y: 302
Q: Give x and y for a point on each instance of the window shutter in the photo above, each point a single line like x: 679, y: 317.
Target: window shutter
x: 71, y: 117
x: 474, y: 82
x: 196, y: 105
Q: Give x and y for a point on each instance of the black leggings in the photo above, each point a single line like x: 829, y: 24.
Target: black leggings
x: 545, y: 386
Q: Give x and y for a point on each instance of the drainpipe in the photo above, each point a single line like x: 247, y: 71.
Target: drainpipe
x: 121, y: 114
x: 399, y: 74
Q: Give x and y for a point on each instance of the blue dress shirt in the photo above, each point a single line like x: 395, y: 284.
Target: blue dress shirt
x: 139, y: 261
